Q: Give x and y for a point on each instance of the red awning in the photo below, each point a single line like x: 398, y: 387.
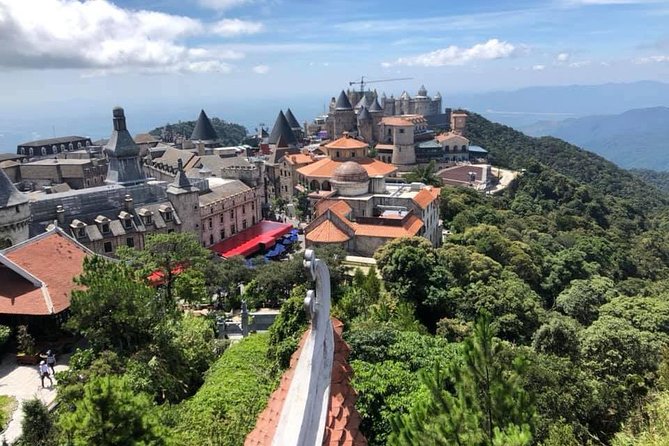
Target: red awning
x: 248, y: 241
x: 157, y: 277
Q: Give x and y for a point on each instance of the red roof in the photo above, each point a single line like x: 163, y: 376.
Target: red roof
x: 342, y: 425
x: 248, y: 241
x: 37, y: 276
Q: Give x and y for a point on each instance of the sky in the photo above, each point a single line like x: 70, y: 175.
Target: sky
x: 66, y: 63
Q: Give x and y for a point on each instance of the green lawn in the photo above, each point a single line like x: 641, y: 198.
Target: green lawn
x: 7, y: 406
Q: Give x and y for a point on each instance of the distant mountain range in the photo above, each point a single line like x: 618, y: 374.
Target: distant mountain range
x: 526, y: 106
x: 634, y: 139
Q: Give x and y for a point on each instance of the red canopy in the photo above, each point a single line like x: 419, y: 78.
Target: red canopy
x: 249, y: 240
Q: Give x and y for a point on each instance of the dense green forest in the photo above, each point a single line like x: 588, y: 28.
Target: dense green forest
x: 542, y: 320
x: 230, y: 134
x: 659, y: 179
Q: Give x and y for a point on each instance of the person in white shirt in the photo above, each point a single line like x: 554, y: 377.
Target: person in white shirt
x: 44, y: 373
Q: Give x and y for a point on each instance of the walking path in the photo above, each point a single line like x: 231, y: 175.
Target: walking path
x: 23, y: 383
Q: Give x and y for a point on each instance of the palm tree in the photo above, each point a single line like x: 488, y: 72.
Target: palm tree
x: 425, y: 174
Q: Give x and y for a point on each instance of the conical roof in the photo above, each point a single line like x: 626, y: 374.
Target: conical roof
x: 9, y: 195
x: 203, y: 130
x: 281, y: 132
x: 362, y: 102
x: 437, y: 96
x: 342, y: 102
x: 292, y: 121
x: 375, y: 107
x: 364, y: 114
x: 422, y: 91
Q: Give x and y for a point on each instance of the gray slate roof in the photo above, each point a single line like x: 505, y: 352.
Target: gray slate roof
x: 364, y: 114
x: 282, y: 135
x: 342, y: 102
x: 375, y: 107
x: 292, y: 121
x: 203, y: 130
x: 9, y: 195
x: 51, y: 141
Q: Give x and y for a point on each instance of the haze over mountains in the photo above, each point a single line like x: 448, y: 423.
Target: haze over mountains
x: 637, y: 138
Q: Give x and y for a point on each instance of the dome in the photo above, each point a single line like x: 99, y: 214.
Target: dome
x: 350, y: 172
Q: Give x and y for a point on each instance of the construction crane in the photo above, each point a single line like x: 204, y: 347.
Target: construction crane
x: 363, y: 82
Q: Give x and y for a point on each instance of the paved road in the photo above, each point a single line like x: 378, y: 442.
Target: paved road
x: 23, y: 383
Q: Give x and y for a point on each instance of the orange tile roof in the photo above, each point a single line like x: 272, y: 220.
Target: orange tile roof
x: 409, y: 229
x: 396, y: 121
x: 424, y: 198
x: 342, y: 426
x: 450, y: 135
x: 327, y: 232
x: 325, y: 168
x: 54, y: 259
x: 299, y: 158
x: 346, y: 142
x: 338, y: 206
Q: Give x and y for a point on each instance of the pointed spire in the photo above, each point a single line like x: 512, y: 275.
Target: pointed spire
x: 203, y: 130
x: 123, y: 153
x: 364, y: 114
x: 181, y: 180
x: 362, y: 102
x: 422, y: 91
x: 438, y: 95
x: 342, y: 102
x: 292, y: 121
x: 9, y: 195
x: 281, y: 132
x: 375, y: 107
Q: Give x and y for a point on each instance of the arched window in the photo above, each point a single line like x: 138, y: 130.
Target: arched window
x: 88, y: 143
x: 447, y: 147
x: 79, y: 145
x: 464, y: 148
x: 43, y: 151
x: 54, y: 149
x: 22, y: 150
x: 326, y: 185
x: 314, y: 185
x: 30, y: 151
x: 62, y: 147
x: 70, y: 146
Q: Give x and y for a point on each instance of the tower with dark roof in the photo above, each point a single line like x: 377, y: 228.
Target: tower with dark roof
x: 294, y: 124
x: 184, y: 197
x: 365, y: 123
x: 342, y: 118
x: 282, y: 140
x: 123, y: 154
x: 14, y: 213
x: 204, y: 131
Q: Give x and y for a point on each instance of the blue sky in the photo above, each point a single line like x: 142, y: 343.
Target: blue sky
x: 174, y: 56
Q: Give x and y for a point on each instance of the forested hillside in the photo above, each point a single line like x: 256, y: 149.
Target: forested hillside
x: 654, y: 177
x: 230, y: 134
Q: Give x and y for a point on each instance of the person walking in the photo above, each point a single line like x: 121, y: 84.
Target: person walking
x: 44, y: 373
x: 51, y: 361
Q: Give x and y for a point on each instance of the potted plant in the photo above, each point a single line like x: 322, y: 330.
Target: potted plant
x: 26, y: 347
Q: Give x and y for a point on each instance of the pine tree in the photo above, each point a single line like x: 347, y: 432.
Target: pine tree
x: 476, y: 400
x: 37, y: 425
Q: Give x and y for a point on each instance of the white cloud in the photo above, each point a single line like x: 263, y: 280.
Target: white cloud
x: 454, y: 55
x: 261, y: 69
x: 562, y: 57
x: 653, y: 59
x: 235, y: 27
x: 222, y: 5
x: 101, y: 37
x: 538, y: 67
x: 579, y: 64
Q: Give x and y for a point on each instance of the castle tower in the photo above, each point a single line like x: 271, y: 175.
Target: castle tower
x: 344, y: 119
x: 282, y: 140
x: 422, y: 104
x: 123, y: 154
x: 389, y: 106
x: 458, y: 122
x: 436, y: 104
x: 365, y: 125
x: 185, y: 201
x: 404, y: 104
x: 377, y: 113
x: 14, y: 213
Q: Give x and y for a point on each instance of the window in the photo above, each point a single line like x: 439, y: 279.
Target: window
x: 147, y: 220
x: 232, y: 213
x: 81, y: 232
x: 401, y: 130
x: 17, y: 208
x: 79, y: 145
x: 233, y: 229
x: 446, y: 147
x: 221, y: 218
x: 352, y: 154
x: 62, y: 147
x: 108, y: 247
x: 244, y: 207
x: 43, y: 151
x: 30, y: 151
x: 130, y: 242
x: 222, y: 234
x: 169, y: 231
x: 243, y: 224
x: 253, y: 206
x: 105, y: 228
x: 337, y: 154
x: 70, y: 146
x: 210, y: 223
x: 464, y: 148
x: 253, y: 220
x: 168, y: 216
x: 127, y: 223
x: 211, y: 239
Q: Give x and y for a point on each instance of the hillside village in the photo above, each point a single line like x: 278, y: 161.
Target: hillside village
x: 341, y: 281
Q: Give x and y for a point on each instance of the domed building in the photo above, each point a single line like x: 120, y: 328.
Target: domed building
x: 350, y: 179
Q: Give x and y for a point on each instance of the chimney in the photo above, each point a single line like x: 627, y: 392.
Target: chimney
x: 200, y: 148
x: 127, y: 203
x: 60, y: 215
